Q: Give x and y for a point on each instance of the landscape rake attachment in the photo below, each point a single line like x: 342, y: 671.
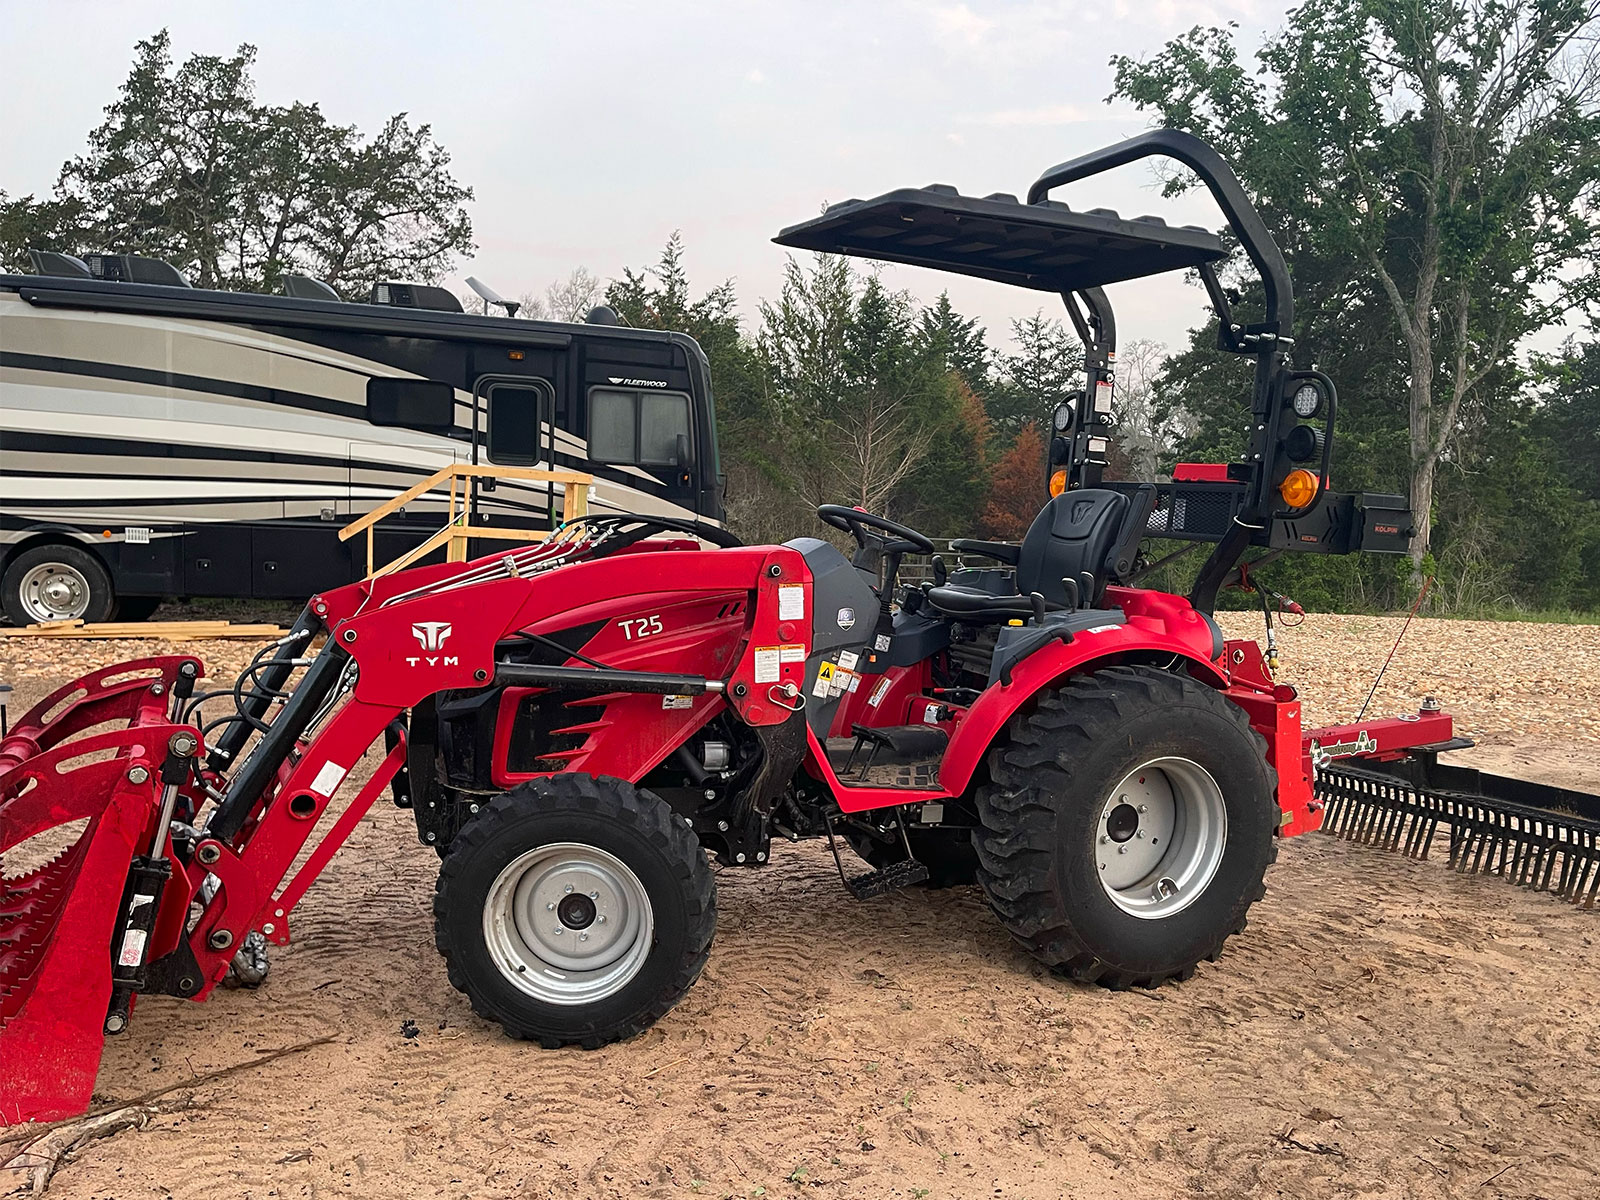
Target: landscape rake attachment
x: 1536, y: 836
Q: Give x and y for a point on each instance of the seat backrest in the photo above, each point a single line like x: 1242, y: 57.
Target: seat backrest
x: 1074, y: 535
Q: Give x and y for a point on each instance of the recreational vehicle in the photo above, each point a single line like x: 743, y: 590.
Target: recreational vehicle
x: 162, y: 440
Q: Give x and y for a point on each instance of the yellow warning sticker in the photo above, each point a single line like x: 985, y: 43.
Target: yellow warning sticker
x: 824, y: 684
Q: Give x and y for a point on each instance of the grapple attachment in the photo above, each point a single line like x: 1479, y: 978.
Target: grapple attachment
x: 75, y: 811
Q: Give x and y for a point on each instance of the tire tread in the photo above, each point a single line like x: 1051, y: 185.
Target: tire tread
x: 590, y: 795
x: 1015, y: 842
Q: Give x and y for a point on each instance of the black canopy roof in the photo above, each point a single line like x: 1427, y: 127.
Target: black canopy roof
x: 1045, y: 246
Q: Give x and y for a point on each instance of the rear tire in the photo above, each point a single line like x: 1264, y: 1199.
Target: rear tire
x: 56, y: 583
x: 575, y: 910
x: 1077, y: 790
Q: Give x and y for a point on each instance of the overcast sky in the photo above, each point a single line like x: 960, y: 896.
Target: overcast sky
x: 591, y: 131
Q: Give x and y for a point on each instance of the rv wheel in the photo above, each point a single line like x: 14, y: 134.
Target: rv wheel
x: 575, y: 910
x: 56, y: 583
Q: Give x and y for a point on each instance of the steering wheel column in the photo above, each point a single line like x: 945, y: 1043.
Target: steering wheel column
x: 875, y: 552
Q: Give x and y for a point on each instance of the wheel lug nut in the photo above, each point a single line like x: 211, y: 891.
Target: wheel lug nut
x: 1142, y: 807
x: 551, y: 907
x: 1104, y: 839
x: 594, y: 895
x: 600, y: 920
x: 569, y: 887
x: 1139, y: 833
x: 1122, y: 849
x: 583, y: 937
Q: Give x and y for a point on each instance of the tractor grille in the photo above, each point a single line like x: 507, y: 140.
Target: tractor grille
x: 549, y: 731
x: 1550, y: 847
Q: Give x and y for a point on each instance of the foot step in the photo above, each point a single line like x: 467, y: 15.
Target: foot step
x: 891, y: 878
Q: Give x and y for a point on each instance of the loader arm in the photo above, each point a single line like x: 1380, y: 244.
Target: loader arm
x: 388, y: 645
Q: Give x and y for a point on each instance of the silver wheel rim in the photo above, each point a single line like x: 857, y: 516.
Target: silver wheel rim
x: 54, y: 591
x: 1160, y: 837
x: 568, y: 923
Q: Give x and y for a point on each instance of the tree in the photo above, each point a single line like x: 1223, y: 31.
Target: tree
x: 187, y: 166
x: 1045, y: 368
x: 1146, y: 430
x: 568, y: 299
x: 1017, y: 491
x: 863, y: 408
x: 956, y: 342
x: 1446, y: 151
x: 843, y: 375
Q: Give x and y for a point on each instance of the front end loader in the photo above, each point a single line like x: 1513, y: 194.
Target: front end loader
x: 579, y: 725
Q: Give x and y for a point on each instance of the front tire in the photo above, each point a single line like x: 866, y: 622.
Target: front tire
x: 56, y: 583
x: 575, y: 910
x: 1084, y: 784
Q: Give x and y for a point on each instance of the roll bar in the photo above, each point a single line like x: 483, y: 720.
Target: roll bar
x: 1225, y: 188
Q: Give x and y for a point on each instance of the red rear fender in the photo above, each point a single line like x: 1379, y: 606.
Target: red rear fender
x: 1161, y: 630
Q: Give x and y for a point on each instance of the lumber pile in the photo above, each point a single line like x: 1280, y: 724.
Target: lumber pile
x: 167, y: 631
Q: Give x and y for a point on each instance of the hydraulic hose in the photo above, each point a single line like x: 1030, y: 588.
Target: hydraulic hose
x: 264, y: 685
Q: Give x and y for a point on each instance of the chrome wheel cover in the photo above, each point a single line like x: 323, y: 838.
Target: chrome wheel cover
x: 568, y: 923
x: 54, y: 591
x: 1160, y: 837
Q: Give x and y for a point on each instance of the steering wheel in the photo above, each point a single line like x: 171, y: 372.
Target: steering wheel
x: 855, y: 522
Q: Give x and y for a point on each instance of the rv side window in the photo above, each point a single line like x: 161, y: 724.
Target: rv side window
x: 514, y: 414
x: 412, y: 403
x: 647, y: 429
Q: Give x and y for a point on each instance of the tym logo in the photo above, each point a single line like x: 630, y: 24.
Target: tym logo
x: 431, y: 635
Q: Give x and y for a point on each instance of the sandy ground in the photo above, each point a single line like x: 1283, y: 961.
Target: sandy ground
x: 1383, y: 1028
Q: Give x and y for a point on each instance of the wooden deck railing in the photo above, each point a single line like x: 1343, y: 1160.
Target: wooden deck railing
x: 456, y: 532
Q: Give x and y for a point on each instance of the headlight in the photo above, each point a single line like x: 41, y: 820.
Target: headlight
x: 1063, y: 417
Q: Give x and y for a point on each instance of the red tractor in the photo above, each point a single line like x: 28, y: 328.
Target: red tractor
x: 576, y: 725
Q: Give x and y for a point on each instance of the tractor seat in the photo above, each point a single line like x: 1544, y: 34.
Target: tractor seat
x: 1081, y: 541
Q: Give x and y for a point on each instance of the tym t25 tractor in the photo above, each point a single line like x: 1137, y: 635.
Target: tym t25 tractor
x: 580, y: 725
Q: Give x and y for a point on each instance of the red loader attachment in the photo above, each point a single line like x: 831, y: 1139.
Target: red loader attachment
x: 80, y: 809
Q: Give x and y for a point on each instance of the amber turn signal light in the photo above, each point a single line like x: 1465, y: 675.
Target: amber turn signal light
x: 1299, y: 488
x: 1058, y: 481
